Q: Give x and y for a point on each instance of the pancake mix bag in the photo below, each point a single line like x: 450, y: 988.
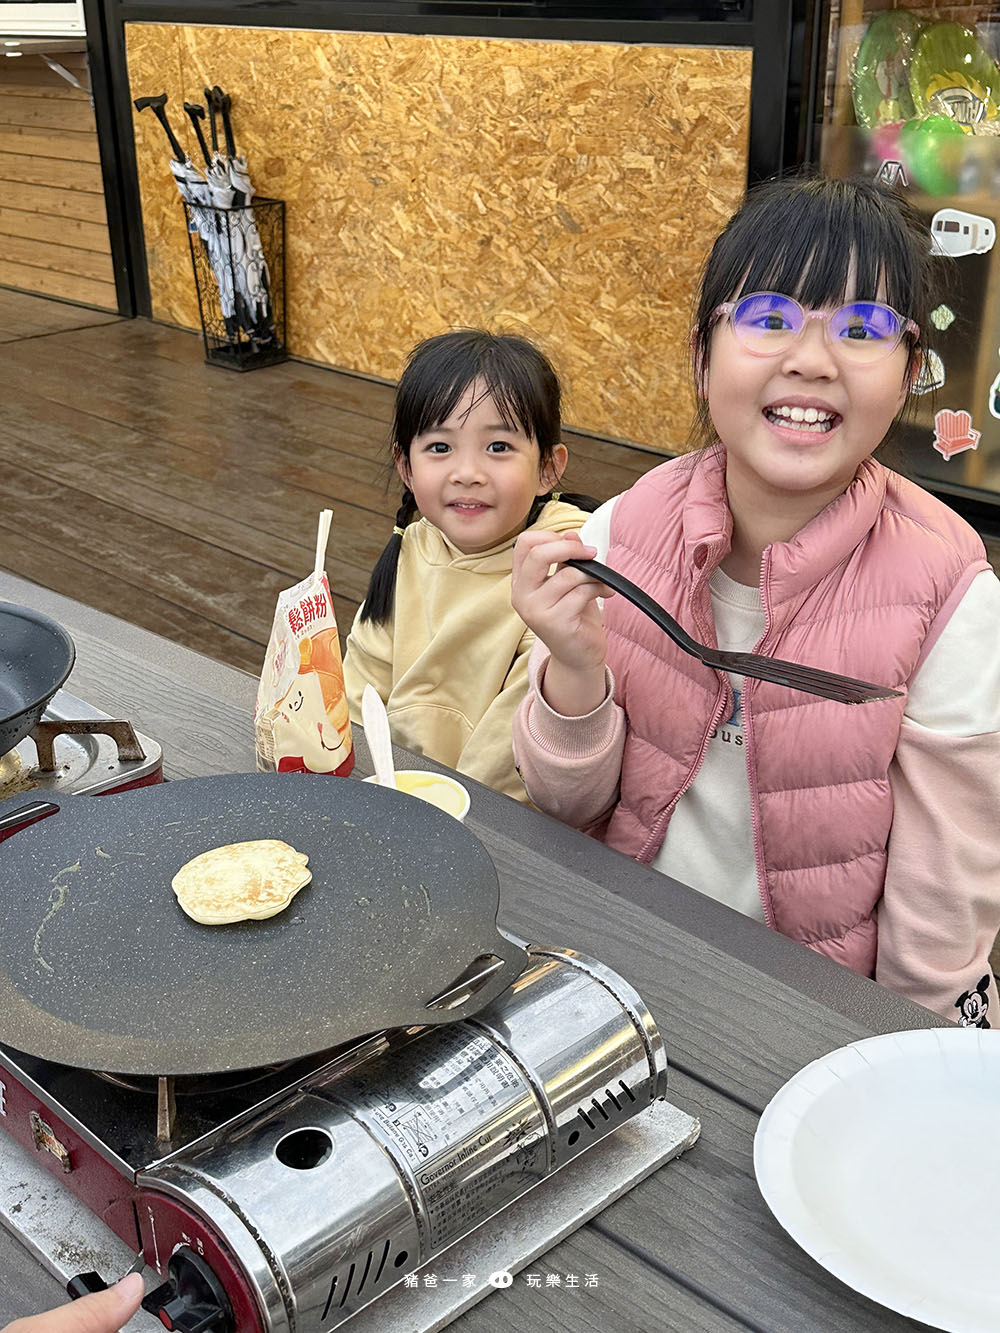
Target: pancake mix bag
x: 301, y: 721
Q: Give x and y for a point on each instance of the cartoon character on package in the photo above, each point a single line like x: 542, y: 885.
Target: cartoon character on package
x: 301, y: 720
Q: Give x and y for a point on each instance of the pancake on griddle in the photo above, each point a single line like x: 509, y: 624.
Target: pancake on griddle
x: 242, y: 881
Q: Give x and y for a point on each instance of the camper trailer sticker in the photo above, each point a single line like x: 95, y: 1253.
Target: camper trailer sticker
x: 953, y: 433
x: 956, y: 233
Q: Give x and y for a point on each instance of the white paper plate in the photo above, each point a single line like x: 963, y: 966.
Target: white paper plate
x: 882, y: 1160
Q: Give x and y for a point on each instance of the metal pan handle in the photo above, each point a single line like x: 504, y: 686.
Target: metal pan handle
x: 485, y: 978
x: 26, y: 814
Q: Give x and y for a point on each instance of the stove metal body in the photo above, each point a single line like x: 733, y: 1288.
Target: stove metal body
x: 324, y: 1193
x: 309, y: 1208
x: 77, y: 750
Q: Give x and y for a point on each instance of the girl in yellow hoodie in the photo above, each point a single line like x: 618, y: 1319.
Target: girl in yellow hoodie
x: 476, y: 441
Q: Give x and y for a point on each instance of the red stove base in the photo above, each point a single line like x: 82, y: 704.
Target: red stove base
x: 95, y: 1167
x: 95, y: 1136
x: 93, y: 756
x: 107, y: 1190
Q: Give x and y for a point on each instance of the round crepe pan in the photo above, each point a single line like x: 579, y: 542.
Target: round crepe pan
x: 101, y: 969
x: 36, y: 656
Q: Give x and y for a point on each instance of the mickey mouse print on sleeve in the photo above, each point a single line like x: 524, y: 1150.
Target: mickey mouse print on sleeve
x: 972, y: 1005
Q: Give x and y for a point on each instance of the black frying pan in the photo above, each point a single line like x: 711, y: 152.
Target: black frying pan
x: 100, y: 967
x: 36, y: 656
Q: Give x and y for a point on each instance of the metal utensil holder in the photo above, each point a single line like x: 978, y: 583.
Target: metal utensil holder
x: 238, y: 257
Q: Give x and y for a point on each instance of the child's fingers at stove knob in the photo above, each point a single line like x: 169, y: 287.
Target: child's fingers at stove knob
x: 100, y: 1312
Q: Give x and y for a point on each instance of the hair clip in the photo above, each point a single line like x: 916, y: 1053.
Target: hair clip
x: 398, y: 532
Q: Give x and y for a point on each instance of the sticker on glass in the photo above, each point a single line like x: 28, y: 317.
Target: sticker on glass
x: 994, y: 399
x: 954, y: 433
x: 892, y: 173
x: 931, y: 375
x: 956, y: 233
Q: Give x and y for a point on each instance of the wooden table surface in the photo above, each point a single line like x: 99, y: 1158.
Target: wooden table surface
x: 740, y: 1009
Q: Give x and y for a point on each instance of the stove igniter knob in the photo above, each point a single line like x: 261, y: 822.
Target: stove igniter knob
x: 192, y: 1300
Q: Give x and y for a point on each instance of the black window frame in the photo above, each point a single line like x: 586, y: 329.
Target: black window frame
x: 765, y: 26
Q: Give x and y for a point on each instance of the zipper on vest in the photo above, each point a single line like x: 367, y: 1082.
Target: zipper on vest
x: 747, y: 700
x: 758, y: 849
x: 654, y: 838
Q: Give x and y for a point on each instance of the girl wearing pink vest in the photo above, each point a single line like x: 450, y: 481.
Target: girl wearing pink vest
x: 867, y: 833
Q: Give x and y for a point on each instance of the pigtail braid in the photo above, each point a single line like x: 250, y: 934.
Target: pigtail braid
x: 382, y: 587
x: 585, y: 502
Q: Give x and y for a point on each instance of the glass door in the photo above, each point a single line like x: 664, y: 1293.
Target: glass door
x: 912, y: 96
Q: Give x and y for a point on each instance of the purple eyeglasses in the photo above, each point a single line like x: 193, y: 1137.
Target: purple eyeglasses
x: 862, y: 332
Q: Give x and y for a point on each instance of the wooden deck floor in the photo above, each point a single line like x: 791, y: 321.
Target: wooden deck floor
x: 183, y: 497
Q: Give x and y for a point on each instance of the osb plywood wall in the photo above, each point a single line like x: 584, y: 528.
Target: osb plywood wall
x: 566, y: 190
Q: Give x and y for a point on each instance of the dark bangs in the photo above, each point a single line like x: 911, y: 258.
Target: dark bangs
x: 514, y: 372
x: 810, y: 237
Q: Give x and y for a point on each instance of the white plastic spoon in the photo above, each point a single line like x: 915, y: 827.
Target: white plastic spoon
x: 376, y: 724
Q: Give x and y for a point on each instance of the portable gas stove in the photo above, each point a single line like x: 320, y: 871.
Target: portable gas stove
x: 290, y: 1198
x: 75, y: 749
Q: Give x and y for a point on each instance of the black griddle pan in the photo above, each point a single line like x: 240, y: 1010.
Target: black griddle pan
x: 101, y: 969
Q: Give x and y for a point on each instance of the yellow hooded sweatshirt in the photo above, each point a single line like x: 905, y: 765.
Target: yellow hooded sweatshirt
x: 451, y: 662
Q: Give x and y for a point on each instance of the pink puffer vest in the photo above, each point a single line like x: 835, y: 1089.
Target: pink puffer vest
x: 863, y: 590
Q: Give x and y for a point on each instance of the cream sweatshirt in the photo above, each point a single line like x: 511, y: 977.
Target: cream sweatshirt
x: 451, y: 663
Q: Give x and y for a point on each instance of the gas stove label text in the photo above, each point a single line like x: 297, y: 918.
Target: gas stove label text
x: 461, y: 1120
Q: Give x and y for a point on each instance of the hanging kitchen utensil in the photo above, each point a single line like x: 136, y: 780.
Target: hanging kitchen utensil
x: 36, y: 656
x: 825, y: 684
x: 100, y: 967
